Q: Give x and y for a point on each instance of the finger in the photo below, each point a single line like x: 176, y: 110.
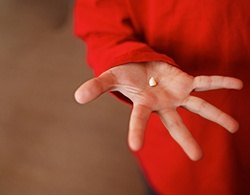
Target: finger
x: 95, y: 87
x: 210, y: 112
x: 181, y: 134
x: 138, y: 122
x: 203, y: 83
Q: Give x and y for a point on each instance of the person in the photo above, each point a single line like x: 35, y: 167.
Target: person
x: 195, y: 51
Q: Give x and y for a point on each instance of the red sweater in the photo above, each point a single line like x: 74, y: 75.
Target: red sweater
x: 202, y: 37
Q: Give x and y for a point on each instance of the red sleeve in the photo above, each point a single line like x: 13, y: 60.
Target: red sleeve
x: 106, y: 28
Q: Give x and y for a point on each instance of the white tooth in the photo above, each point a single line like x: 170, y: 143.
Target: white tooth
x: 152, y: 82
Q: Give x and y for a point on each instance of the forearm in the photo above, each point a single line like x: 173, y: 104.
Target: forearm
x: 108, y: 32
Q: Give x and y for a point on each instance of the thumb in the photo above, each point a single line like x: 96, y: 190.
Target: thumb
x: 95, y: 87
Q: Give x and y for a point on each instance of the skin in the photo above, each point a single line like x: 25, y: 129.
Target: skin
x: 172, y: 90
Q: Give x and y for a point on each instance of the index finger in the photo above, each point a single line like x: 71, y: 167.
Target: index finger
x: 137, y: 125
x: 95, y: 87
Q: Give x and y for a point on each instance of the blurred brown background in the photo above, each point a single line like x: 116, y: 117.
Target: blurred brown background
x: 48, y: 143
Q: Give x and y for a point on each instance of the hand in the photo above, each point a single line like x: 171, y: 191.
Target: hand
x: 173, y: 90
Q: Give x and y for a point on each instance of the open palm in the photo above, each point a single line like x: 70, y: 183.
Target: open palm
x: 172, y: 90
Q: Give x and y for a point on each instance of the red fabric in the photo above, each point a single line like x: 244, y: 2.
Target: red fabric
x: 202, y: 37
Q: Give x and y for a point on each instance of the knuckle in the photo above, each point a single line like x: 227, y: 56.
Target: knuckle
x: 201, y: 105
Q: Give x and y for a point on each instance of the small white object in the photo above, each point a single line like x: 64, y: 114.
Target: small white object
x: 152, y: 82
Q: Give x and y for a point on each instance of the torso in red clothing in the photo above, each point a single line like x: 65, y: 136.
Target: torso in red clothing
x: 202, y: 37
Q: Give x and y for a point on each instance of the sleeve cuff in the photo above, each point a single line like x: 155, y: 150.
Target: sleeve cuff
x: 139, y: 55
